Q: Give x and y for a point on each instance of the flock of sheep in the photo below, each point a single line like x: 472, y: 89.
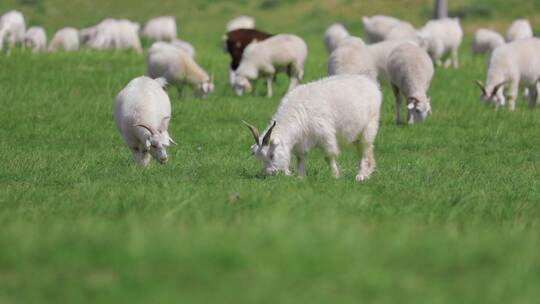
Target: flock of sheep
x: 345, y: 105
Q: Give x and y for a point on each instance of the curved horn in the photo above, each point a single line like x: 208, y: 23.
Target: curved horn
x: 481, y: 86
x: 496, y: 88
x: 266, y: 139
x: 150, y: 129
x: 254, y: 131
x: 172, y: 141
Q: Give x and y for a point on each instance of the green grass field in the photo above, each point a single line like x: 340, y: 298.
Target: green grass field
x: 451, y: 214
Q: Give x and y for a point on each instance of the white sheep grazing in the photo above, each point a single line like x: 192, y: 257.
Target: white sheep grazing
x: 411, y: 70
x: 381, y: 51
x: 184, y: 45
x: 66, y: 39
x: 380, y: 28
x: 317, y: 114
x: 12, y: 29
x: 352, y: 57
x: 283, y: 52
x: 128, y: 36
x: 514, y: 63
x: 120, y: 34
x: 178, y: 67
x: 240, y: 22
x: 519, y: 29
x: 160, y: 29
x: 142, y: 113
x: 333, y: 35
x: 444, y: 37
x: 485, y: 41
x: 36, y: 39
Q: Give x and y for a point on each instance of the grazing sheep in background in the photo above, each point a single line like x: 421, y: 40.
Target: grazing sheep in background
x: 333, y: 35
x: 241, y: 22
x: 283, y: 52
x: 66, y: 39
x: 411, y: 70
x: 178, y: 67
x: 518, y: 30
x: 380, y: 52
x: 120, y: 34
x: 235, y: 43
x: 514, y: 63
x: 380, y: 28
x: 185, y: 46
x: 36, y: 39
x: 485, y: 41
x: 443, y: 37
x: 317, y: 114
x: 352, y: 57
x: 142, y: 113
x: 12, y: 29
x: 160, y: 29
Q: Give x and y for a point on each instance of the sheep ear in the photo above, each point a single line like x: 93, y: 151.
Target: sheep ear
x: 254, y: 132
x: 268, y: 135
x: 163, y: 123
x: 481, y: 86
x: 410, y: 106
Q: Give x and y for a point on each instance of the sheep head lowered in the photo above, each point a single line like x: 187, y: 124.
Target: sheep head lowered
x: 418, y: 109
x: 269, y: 151
x: 495, y: 95
x: 156, y: 141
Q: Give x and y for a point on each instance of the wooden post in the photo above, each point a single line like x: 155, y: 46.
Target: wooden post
x: 440, y: 9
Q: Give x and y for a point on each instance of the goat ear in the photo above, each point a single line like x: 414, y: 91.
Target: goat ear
x: 163, y: 124
x: 254, y: 131
x: 481, y: 86
x: 268, y: 135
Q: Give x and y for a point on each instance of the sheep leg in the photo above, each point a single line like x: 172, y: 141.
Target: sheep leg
x: 531, y: 97
x: 537, y: 91
x: 366, y: 165
x: 331, y: 151
x: 512, y: 94
x: 269, y: 92
x: 301, y: 165
x: 397, y: 95
x: 455, y: 58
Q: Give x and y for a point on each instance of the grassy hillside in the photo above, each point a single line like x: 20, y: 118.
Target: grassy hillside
x: 450, y: 216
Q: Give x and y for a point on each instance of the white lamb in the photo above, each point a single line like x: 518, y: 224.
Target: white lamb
x: 411, y: 70
x: 184, y: 45
x: 12, y: 29
x: 142, y: 113
x: 283, y: 52
x: 352, y: 57
x: 317, y: 114
x: 514, y: 63
x: 444, y: 37
x: 333, y: 35
x: 241, y: 22
x: 380, y: 28
x: 120, y: 34
x: 519, y: 29
x: 160, y: 29
x: 485, y: 41
x: 66, y: 39
x: 36, y: 39
x: 178, y: 67
x: 381, y: 51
